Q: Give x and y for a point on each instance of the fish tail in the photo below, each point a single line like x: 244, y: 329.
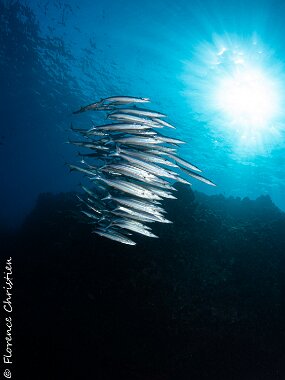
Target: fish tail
x: 102, y: 167
x: 96, y: 176
x: 71, y: 168
x: 109, y: 196
x: 117, y: 152
x: 78, y: 111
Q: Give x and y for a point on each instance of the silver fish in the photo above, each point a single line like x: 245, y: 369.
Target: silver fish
x: 134, y: 226
x: 114, y: 235
x: 130, y: 171
x: 121, y: 127
x: 142, y: 132
x: 184, y: 162
x: 137, y: 204
x: 182, y: 180
x: 120, y: 100
x: 136, y: 173
x: 90, y: 215
x: 149, y: 157
x: 128, y: 187
x: 89, y: 145
x: 87, y: 132
x: 152, y: 168
x: 97, y: 193
x: 131, y: 118
x: 131, y: 162
x: 162, y: 122
x: 88, y: 191
x: 137, y: 140
x: 169, y: 140
x: 159, y: 149
x: 131, y: 213
x: 137, y: 216
x: 92, y: 106
x: 91, y: 207
x: 197, y: 176
x: 80, y: 169
x: 98, y: 106
x: 161, y: 193
x: 142, y: 112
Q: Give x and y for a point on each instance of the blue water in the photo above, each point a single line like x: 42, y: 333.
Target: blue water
x: 56, y: 56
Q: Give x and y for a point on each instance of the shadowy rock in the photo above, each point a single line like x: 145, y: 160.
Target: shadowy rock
x: 204, y: 301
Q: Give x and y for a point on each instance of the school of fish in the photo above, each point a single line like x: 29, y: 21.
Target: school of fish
x: 131, y: 167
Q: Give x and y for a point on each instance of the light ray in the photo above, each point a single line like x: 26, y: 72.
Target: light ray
x: 237, y: 89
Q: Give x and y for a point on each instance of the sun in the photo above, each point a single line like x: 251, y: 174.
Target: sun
x: 237, y: 88
x: 247, y: 97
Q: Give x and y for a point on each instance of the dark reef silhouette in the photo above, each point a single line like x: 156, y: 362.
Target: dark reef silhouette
x: 204, y: 301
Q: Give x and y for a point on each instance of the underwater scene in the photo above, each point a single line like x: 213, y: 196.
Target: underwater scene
x: 142, y: 225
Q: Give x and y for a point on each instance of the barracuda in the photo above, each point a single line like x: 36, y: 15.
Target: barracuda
x: 131, y: 165
x: 142, y: 112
